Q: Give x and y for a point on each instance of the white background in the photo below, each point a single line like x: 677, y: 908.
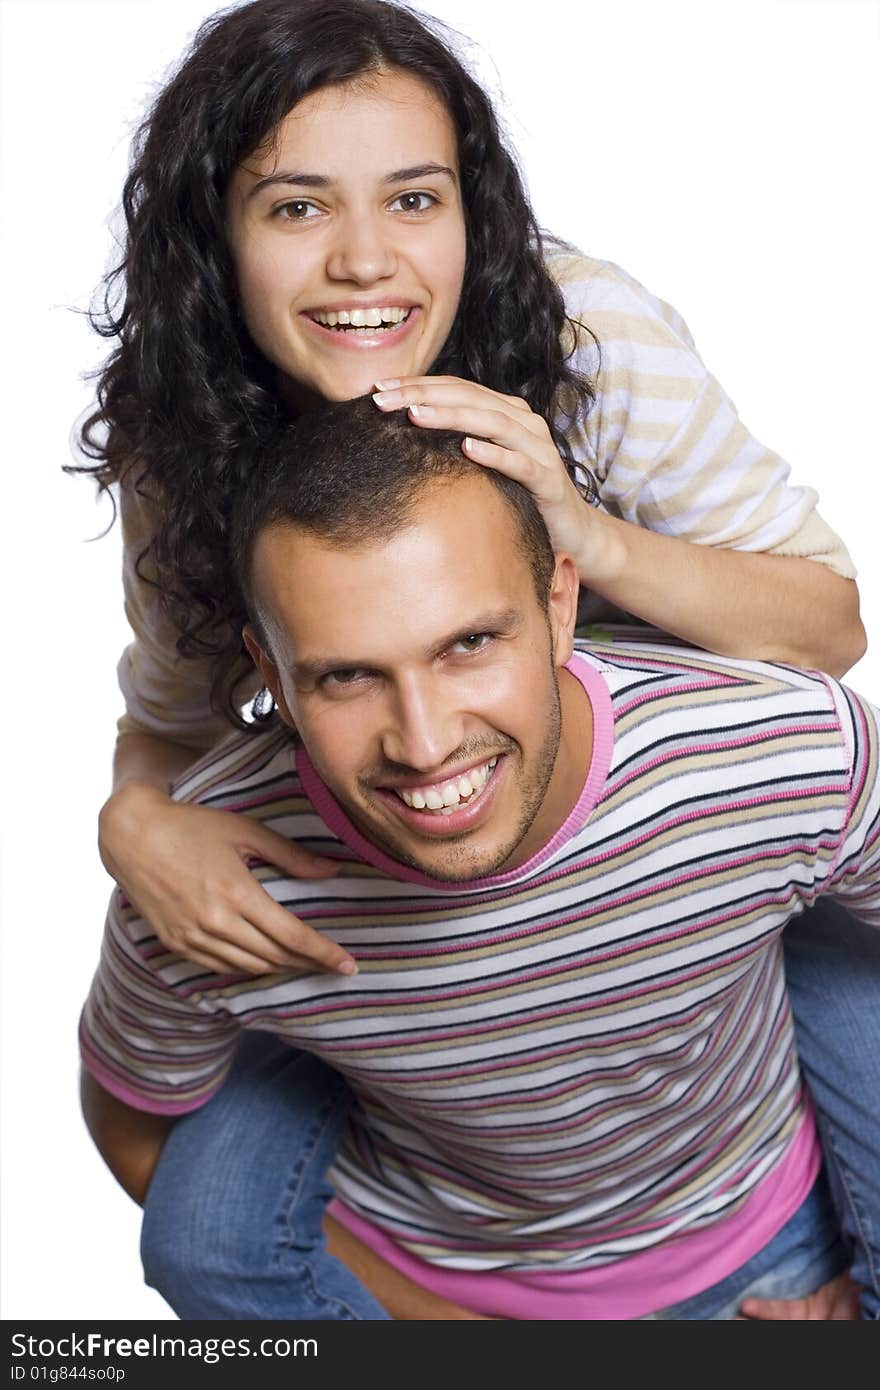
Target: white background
x: 723, y: 152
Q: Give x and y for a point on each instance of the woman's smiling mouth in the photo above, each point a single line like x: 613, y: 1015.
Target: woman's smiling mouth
x: 347, y: 319
x: 379, y: 325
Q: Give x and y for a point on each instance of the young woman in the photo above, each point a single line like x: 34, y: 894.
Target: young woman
x: 320, y: 205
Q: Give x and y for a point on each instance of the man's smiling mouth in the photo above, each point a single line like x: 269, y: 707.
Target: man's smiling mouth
x: 442, y: 798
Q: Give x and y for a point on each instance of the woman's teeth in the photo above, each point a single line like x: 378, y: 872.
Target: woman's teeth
x: 443, y: 797
x: 367, y: 320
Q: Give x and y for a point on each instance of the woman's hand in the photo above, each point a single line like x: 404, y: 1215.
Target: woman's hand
x: 736, y: 602
x: 502, y: 432
x: 837, y: 1301
x: 185, y: 869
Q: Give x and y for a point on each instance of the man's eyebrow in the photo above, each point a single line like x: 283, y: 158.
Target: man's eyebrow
x: 314, y: 670
x: 303, y: 179
x: 502, y: 622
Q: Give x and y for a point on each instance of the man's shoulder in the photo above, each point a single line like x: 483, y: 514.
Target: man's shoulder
x: 628, y: 656
x: 247, y: 772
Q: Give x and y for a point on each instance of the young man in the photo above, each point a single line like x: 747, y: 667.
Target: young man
x: 564, y: 875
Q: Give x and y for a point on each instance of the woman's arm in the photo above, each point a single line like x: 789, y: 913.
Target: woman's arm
x: 145, y: 760
x: 731, y: 601
x: 185, y: 869
x: 774, y: 607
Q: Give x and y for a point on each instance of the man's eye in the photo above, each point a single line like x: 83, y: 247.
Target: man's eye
x: 414, y: 202
x: 342, y: 678
x: 473, y: 642
x: 297, y: 211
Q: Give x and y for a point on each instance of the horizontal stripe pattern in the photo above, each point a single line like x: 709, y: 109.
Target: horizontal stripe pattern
x: 595, y: 1055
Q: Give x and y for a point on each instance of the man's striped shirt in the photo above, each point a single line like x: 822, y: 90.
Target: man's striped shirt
x: 579, y: 1074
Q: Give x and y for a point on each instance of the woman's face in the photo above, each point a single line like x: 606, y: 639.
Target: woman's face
x: 348, y: 237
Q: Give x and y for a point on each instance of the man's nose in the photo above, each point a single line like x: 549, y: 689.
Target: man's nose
x: 363, y: 250
x: 424, y: 726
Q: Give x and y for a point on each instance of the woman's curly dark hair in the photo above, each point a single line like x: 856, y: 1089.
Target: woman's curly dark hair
x: 185, y: 399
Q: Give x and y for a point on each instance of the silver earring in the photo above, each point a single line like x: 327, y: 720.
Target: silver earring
x: 263, y: 705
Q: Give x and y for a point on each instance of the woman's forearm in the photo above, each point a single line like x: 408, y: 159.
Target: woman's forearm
x: 764, y: 607
x: 144, y: 768
x: 149, y: 761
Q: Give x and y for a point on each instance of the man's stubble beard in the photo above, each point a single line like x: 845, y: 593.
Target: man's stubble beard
x: 464, y: 867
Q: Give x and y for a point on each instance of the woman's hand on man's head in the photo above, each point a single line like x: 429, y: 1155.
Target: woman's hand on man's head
x: 502, y: 432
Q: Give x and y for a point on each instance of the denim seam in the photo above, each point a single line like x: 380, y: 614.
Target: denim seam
x: 324, y: 1116
x: 843, y: 1175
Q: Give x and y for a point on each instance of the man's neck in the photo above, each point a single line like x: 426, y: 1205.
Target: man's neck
x: 570, y: 768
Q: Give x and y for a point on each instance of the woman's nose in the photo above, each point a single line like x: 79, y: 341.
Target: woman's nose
x: 363, y: 252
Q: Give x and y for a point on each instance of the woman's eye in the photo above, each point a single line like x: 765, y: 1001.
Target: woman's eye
x: 473, y: 642
x: 297, y: 211
x: 414, y: 202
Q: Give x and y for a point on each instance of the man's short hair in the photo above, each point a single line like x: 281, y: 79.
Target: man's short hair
x: 351, y: 475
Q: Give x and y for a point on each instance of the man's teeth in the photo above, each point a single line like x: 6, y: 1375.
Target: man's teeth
x: 445, y: 796
x: 361, y: 318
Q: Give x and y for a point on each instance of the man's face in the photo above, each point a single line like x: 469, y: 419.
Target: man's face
x: 421, y: 674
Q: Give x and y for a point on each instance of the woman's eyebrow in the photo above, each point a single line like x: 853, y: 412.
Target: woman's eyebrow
x: 306, y: 180
x: 419, y: 171
x: 301, y: 180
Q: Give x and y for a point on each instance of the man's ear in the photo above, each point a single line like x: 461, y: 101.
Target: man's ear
x: 562, y: 608
x: 268, y: 671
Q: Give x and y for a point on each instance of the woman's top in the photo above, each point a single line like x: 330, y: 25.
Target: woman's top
x: 662, y: 438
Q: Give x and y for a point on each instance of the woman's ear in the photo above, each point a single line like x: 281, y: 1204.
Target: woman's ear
x: 562, y: 608
x: 268, y: 671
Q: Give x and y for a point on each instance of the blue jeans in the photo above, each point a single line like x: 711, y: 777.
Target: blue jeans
x: 232, y: 1221
x: 232, y: 1224
x: 832, y: 968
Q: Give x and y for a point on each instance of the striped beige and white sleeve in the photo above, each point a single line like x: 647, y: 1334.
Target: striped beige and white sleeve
x: 664, y: 440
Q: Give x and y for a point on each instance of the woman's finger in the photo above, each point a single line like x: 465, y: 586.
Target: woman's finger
x: 446, y: 392
x: 286, y: 854
x: 224, y: 955
x: 491, y: 424
x: 429, y: 383
x: 510, y: 462
x: 239, y: 941
x: 280, y: 931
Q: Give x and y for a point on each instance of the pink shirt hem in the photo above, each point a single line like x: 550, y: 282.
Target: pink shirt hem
x: 627, y: 1288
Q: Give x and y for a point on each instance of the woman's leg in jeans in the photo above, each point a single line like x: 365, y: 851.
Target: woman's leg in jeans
x: 232, y: 1223
x: 832, y: 966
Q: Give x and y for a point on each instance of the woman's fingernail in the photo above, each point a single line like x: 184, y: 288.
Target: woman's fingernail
x: 388, y: 385
x: 422, y: 412
x: 389, y: 398
x: 348, y: 967
x: 474, y: 446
